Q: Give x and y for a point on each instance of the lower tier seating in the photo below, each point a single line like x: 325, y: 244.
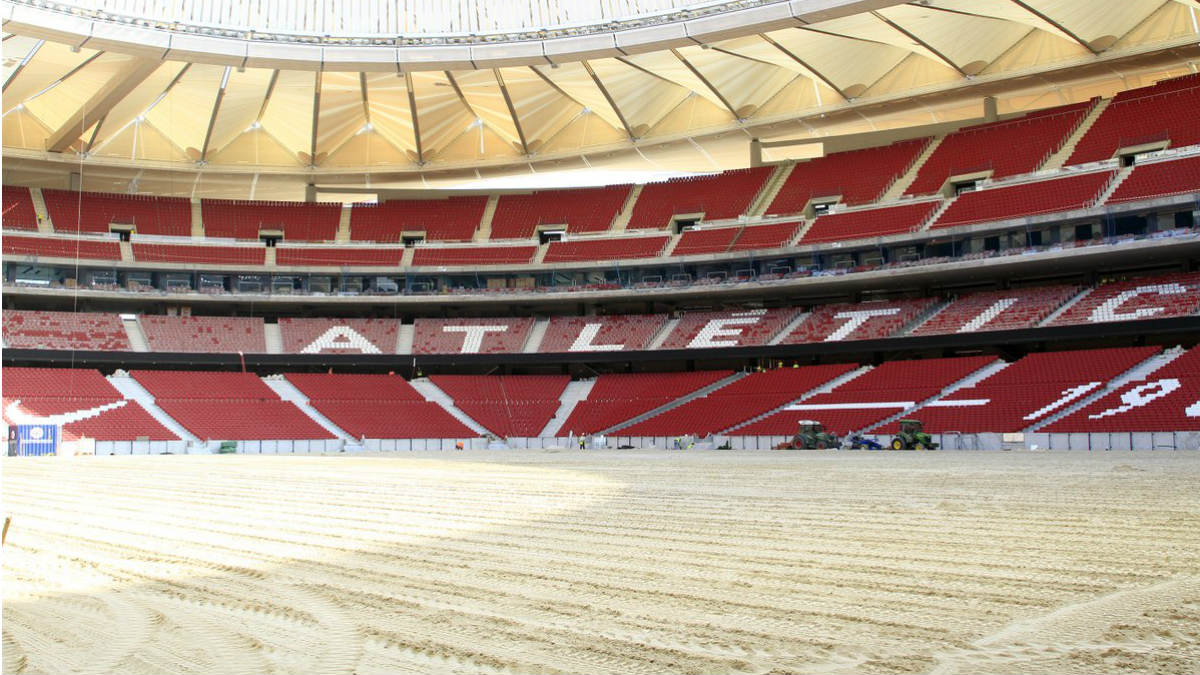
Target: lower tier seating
x: 347, y: 256
x: 83, y: 400
x: 473, y: 255
x: 227, y: 406
x: 619, y: 397
x: 624, y: 248
x: 1026, y: 199
x: 869, y: 222
x: 1027, y: 391
x: 354, y: 387
x: 506, y: 405
x: 212, y: 255
x: 1167, y: 399
x: 735, y: 403
x: 869, y: 398
x: 393, y: 419
x: 1159, y: 179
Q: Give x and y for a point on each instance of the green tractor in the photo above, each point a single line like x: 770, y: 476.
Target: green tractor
x: 812, y: 436
x: 913, y: 437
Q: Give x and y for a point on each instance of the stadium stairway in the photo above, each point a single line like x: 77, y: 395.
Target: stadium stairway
x: 699, y: 393
x: 134, y: 391
x: 484, y: 231
x: 621, y: 222
x: 133, y: 330
x: 534, y: 340
x: 1055, y: 161
x: 1139, y: 372
x: 126, y: 250
x: 787, y: 330
x: 197, y: 220
x: 404, y: 338
x: 901, y: 184
x: 574, y: 392
x: 770, y: 190
x: 660, y: 337
x: 425, y: 387
x: 968, y: 381
x: 288, y: 392
x: 1070, y: 302
x: 342, y: 236
x: 921, y: 318
x: 823, y: 389
x: 44, y: 224
x: 274, y: 338
x: 1115, y: 183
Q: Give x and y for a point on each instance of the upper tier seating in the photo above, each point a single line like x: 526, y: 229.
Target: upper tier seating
x: 713, y: 240
x: 622, y: 248
x: 857, y: 321
x: 470, y: 336
x: 1006, y: 148
x: 1026, y: 199
x: 718, y: 197
x: 1026, y: 391
x: 621, y: 332
x: 339, y: 336
x: 1159, y: 179
x: 342, y: 256
x: 300, y: 221
x: 473, y: 255
x: 506, y: 405
x: 19, y: 213
x: 997, y: 310
x: 378, y: 406
x: 1164, y: 111
x: 213, y: 255
x: 74, y: 393
x: 450, y: 219
x: 857, y: 176
x: 212, y: 334
x: 869, y: 398
x: 744, y: 328
x: 227, y: 406
x: 581, y: 210
x: 775, y: 235
x: 1166, y: 400
x: 618, y: 397
x: 735, y: 403
x: 90, y: 249
x: 95, y: 211
x: 869, y: 223
x: 64, y: 330
x: 1146, y: 298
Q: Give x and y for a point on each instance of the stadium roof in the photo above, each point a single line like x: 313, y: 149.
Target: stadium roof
x: 316, y: 93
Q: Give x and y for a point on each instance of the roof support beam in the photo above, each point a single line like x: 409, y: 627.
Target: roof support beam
x: 316, y: 115
x: 912, y: 36
x: 212, y: 118
x: 21, y: 66
x: 1025, y: 6
x: 716, y: 92
x: 412, y: 109
x: 816, y: 73
x: 512, y: 110
x: 262, y: 110
x: 362, y: 86
x: 100, y: 103
x: 611, y: 102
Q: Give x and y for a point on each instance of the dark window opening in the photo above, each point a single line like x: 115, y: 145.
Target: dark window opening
x: 682, y: 225
x: 410, y: 241
x: 547, y: 236
x: 1083, y: 232
x: 991, y: 243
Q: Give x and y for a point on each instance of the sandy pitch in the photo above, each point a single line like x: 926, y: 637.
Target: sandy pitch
x: 618, y: 561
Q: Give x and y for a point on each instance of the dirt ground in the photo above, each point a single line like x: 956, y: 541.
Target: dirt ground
x: 609, y: 561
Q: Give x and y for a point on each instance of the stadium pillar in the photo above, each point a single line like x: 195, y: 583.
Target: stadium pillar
x: 990, y: 113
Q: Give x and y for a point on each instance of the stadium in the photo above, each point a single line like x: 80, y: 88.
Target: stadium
x: 541, y: 336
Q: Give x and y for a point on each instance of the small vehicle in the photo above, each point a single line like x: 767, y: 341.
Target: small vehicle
x: 812, y: 436
x: 857, y: 442
x: 912, y: 437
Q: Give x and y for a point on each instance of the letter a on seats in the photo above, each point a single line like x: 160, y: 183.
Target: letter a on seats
x: 341, y: 337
